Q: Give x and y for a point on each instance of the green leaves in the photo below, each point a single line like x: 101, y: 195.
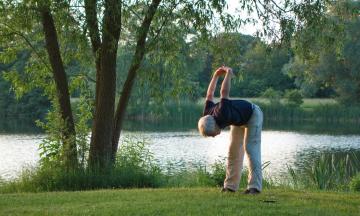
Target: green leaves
x: 293, y: 98
x: 19, y: 86
x: 327, y: 52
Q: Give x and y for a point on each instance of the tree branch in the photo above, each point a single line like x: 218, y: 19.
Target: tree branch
x: 280, y: 8
x: 134, y: 12
x: 27, y: 41
x: 135, y: 64
x: 60, y: 78
x: 93, y: 27
x: 158, y: 31
x: 92, y: 24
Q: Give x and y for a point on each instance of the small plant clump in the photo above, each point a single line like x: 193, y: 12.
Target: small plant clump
x: 328, y: 172
x: 355, y: 183
x: 273, y: 96
x: 293, y: 98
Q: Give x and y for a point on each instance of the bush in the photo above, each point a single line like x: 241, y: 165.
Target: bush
x: 138, y: 165
x: 218, y: 172
x: 272, y: 95
x: 293, y: 98
x: 355, y: 183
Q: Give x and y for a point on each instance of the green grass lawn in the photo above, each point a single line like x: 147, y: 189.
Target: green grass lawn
x: 180, y: 201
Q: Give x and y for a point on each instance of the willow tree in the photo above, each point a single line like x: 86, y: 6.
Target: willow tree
x: 326, y: 55
x: 56, y: 32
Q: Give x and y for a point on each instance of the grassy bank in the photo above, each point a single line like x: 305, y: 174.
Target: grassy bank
x: 180, y: 201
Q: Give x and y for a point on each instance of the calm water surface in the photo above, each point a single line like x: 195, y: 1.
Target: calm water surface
x: 188, y: 148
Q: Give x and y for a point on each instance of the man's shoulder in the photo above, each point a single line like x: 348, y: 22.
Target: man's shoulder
x: 225, y: 100
x: 239, y: 101
x: 208, y: 101
x: 209, y: 107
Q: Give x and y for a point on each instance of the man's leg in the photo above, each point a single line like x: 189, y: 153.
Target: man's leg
x: 235, y: 158
x: 252, y: 147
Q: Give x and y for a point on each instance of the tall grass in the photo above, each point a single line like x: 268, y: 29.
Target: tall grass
x: 187, y: 111
x: 182, y: 110
x: 326, y: 172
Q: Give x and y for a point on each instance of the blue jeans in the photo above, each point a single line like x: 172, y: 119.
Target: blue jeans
x: 245, y: 138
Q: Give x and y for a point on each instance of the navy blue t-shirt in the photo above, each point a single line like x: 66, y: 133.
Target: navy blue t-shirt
x: 229, y: 112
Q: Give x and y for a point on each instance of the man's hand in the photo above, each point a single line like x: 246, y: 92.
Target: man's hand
x: 225, y: 86
x: 219, y: 72
x: 228, y: 70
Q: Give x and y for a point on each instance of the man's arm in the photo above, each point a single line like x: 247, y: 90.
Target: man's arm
x: 225, y: 86
x: 213, y: 83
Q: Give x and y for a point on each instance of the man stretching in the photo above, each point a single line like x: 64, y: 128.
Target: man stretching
x: 245, y: 120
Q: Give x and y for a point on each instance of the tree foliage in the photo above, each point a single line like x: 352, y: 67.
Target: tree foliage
x: 272, y: 95
x: 32, y: 105
x: 326, y: 55
x: 293, y: 98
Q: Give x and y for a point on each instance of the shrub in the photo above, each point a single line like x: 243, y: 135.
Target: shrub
x: 137, y: 163
x: 355, y: 183
x: 218, y: 172
x: 272, y: 95
x: 293, y: 98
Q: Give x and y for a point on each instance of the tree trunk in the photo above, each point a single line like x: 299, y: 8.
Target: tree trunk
x: 52, y: 47
x: 135, y: 64
x: 102, y: 131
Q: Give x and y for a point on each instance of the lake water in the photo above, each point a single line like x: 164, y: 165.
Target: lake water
x: 188, y: 148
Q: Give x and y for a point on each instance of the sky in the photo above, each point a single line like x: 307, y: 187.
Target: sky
x: 248, y: 29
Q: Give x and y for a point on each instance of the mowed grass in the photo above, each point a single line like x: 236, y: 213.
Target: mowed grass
x: 180, y: 201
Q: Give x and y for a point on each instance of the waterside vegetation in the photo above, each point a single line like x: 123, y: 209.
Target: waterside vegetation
x: 136, y: 167
x: 312, y: 110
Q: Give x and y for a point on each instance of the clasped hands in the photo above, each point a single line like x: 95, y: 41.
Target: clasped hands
x: 223, y: 70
